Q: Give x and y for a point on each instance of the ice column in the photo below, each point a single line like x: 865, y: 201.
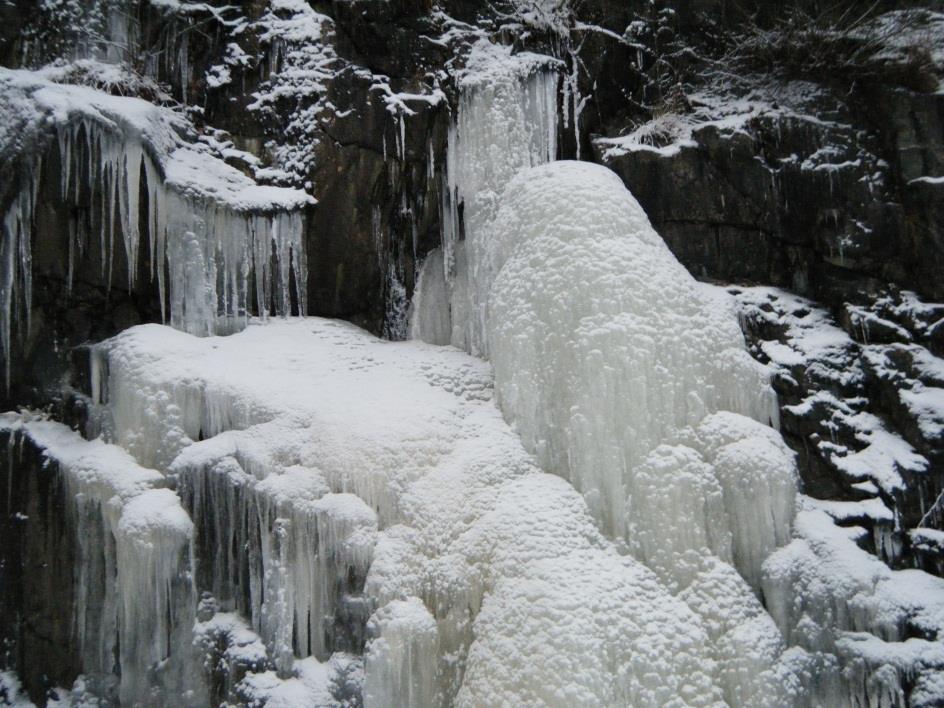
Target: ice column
x: 398, y: 667
x: 506, y: 120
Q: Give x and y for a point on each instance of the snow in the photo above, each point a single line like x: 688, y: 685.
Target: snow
x: 11, y: 691
x: 312, y: 685
x: 668, y: 133
x: 302, y: 62
x: 897, y: 33
x: 926, y: 404
x: 547, y: 15
x: 822, y: 588
x: 815, y: 350
x: 930, y: 538
x: 918, y: 379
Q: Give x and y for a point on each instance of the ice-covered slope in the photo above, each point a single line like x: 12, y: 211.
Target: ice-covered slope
x: 490, y: 579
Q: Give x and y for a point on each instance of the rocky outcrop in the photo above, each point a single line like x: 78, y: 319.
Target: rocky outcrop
x: 807, y: 197
x: 861, y: 407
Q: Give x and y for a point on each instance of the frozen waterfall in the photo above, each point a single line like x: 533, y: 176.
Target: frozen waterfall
x: 567, y: 488
x: 507, y: 120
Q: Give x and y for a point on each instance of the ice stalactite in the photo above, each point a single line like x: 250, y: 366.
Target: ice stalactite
x: 16, y: 266
x: 221, y: 247
x: 218, y: 252
x: 134, y: 593
x: 279, y: 548
x: 507, y: 120
x: 573, y: 101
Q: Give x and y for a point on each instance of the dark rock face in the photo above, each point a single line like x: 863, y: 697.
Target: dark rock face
x: 37, y: 561
x: 808, y: 203
x: 851, y: 407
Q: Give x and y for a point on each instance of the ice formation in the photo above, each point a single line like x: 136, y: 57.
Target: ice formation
x: 596, y: 375
x: 340, y: 426
x: 134, y: 594
x: 507, y: 119
x: 212, y: 233
x: 610, y: 363
x: 833, y: 598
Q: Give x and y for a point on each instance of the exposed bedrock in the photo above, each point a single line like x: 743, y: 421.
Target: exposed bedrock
x: 831, y: 200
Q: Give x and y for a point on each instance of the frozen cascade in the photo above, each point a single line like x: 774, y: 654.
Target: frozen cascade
x: 134, y: 593
x: 507, y: 119
x: 471, y: 533
x: 353, y: 506
x: 610, y: 385
x: 221, y: 246
x: 302, y: 550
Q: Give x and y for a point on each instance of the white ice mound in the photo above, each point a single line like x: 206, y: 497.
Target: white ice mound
x: 603, y: 345
x: 489, y: 581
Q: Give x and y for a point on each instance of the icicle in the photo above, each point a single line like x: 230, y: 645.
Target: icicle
x: 132, y: 158
x: 504, y: 123
x: 401, y: 120
x: 222, y: 262
x: 15, y: 265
